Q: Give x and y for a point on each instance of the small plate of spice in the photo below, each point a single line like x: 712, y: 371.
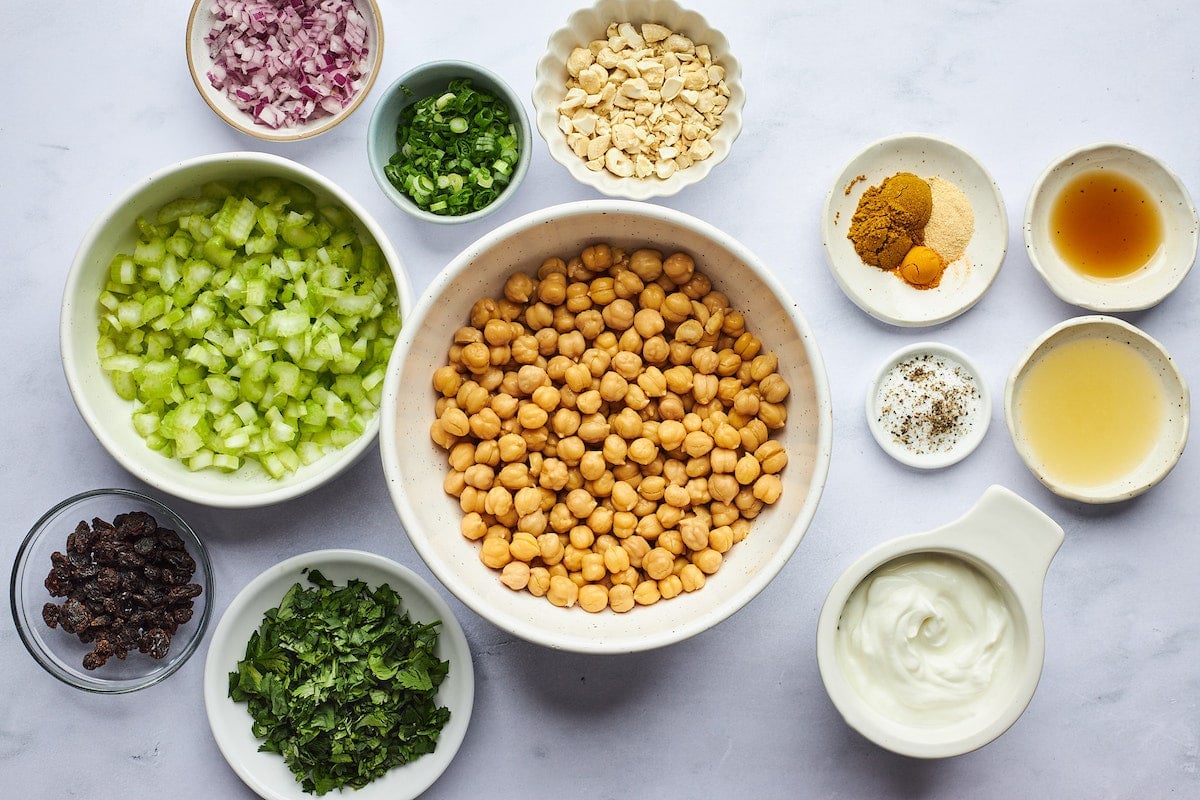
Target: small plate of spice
x: 915, y: 230
x: 928, y: 406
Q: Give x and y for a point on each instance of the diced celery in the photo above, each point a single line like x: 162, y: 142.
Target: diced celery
x: 233, y: 313
x: 149, y: 252
x: 235, y: 220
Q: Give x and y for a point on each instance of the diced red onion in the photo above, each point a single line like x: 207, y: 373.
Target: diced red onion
x: 287, y: 61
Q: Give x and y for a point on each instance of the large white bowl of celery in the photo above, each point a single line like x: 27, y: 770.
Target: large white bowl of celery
x: 226, y: 327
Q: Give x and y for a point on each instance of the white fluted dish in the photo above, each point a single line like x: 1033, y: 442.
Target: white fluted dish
x: 589, y: 24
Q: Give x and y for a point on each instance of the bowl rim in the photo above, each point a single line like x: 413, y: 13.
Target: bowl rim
x: 247, y: 126
x: 1123, y: 490
x: 756, y: 582
x: 967, y: 444
x: 340, y: 459
x: 1055, y: 273
x: 247, y: 597
x: 470, y: 70
x: 546, y: 76
x: 196, y: 548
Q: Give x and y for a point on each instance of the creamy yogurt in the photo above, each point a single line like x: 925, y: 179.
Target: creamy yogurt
x: 927, y: 640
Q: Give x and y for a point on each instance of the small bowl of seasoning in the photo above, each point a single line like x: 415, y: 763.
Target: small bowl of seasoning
x: 931, y: 645
x: 914, y: 230
x: 1097, y: 410
x: 449, y: 142
x: 928, y: 406
x: 111, y: 591
x: 284, y: 71
x: 1111, y: 228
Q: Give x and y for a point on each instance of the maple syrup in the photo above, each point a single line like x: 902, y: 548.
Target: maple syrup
x: 1105, y: 224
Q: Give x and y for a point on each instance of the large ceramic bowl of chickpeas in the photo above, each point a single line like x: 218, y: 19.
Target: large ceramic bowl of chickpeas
x: 605, y: 427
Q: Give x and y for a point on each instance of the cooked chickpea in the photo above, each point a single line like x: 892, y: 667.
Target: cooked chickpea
x: 613, y: 387
x: 607, y: 428
x: 670, y: 587
x: 754, y: 434
x: 707, y: 560
x: 768, y: 488
x: 562, y: 591
x: 627, y: 364
x: 618, y: 314
x: 597, y: 258
x: 593, y: 598
x: 679, y: 267
x: 657, y: 563
x: 572, y: 344
x: 524, y: 546
x: 515, y: 575
x: 472, y: 526
x: 494, y: 552
x: 691, y: 578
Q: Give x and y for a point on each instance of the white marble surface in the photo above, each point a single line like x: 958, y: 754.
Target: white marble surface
x: 97, y: 95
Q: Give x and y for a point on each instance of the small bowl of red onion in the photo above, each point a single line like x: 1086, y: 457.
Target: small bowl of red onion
x: 284, y: 70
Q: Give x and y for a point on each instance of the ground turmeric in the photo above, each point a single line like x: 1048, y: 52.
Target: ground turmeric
x: 922, y: 267
x: 890, y: 220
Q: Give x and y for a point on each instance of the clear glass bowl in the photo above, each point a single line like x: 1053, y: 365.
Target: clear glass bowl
x: 60, y: 653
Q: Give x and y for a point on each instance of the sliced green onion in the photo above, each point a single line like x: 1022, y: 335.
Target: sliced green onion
x: 455, y: 151
x: 248, y: 324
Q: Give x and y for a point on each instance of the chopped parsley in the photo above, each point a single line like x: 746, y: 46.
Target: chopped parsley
x: 342, y: 684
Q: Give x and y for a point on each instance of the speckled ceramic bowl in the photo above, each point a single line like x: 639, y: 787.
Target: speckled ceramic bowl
x: 432, y: 79
x: 201, y: 20
x: 108, y: 415
x: 883, y: 294
x: 1142, y: 288
x: 972, y: 426
x: 1166, y: 450
x: 415, y: 468
x: 894, y: 696
x: 589, y: 24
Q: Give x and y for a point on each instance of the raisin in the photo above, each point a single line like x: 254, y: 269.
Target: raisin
x: 155, y: 643
x: 135, y: 524
x: 127, y: 559
x: 56, y: 586
x: 171, y: 577
x: 74, y: 616
x: 92, y: 593
x: 128, y: 587
x: 108, y: 579
x: 50, y: 614
x: 94, y: 660
x: 180, y: 561
x: 146, y: 546
x: 178, y: 594
x: 170, y: 540
x: 105, y: 553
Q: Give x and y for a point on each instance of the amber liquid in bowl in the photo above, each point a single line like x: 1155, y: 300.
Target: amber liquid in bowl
x: 1091, y: 411
x: 1105, y: 224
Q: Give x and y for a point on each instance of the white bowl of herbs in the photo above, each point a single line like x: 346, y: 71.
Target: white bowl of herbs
x: 387, y: 680
x: 226, y: 326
